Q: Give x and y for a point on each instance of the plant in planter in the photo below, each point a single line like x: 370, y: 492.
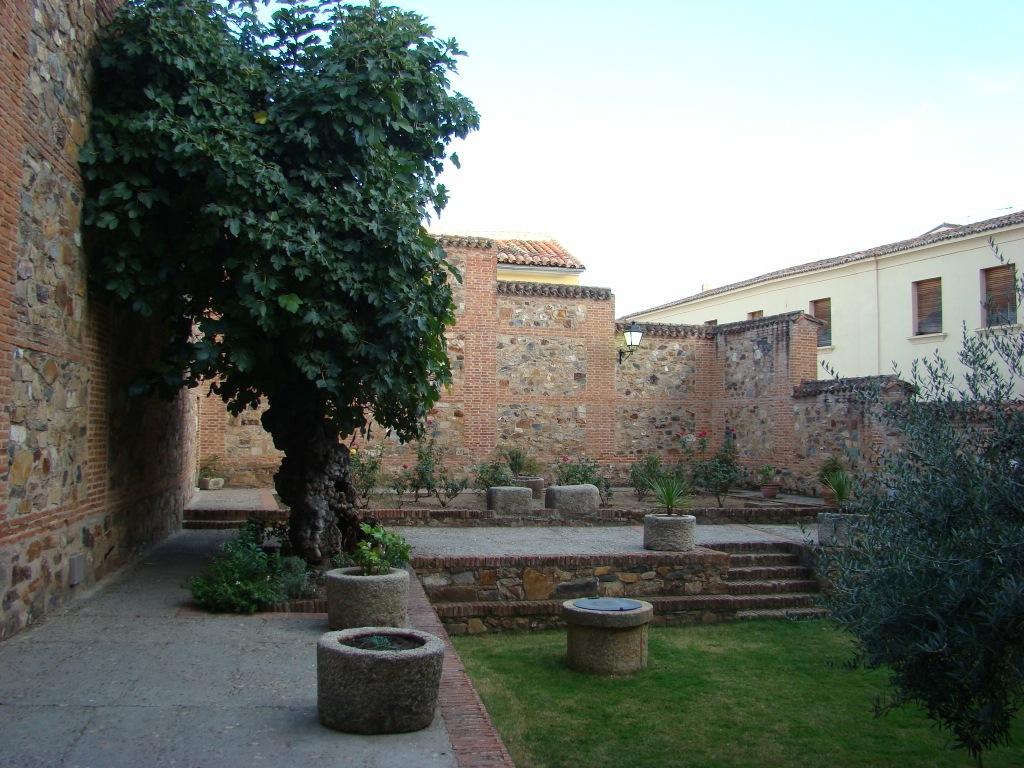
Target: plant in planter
x: 832, y: 464
x: 378, y: 679
x: 525, y: 470
x: 211, y: 474
x: 836, y: 528
x: 839, y: 486
x: 374, y: 592
x: 583, y: 472
x: 766, y: 475
x: 671, y: 530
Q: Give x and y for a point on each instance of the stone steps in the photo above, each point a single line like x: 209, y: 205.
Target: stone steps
x: 228, y: 517
x: 768, y: 582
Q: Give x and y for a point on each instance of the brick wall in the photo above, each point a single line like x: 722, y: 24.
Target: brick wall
x: 87, y: 473
x: 535, y: 366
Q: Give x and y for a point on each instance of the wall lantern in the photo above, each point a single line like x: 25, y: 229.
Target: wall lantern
x: 632, y: 337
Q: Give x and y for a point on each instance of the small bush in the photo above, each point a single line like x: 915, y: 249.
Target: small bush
x: 366, y: 473
x: 239, y: 580
x: 643, y: 474
x: 672, y: 493
x: 380, y: 550
x: 491, y: 475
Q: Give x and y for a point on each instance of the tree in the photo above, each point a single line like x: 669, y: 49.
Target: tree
x: 932, y: 585
x: 258, y: 187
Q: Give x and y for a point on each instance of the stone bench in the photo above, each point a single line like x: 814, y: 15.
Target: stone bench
x: 607, y: 642
x: 573, y: 499
x: 512, y: 500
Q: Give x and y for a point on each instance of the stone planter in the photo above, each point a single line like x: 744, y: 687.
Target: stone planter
x: 378, y: 679
x: 355, y: 600
x: 670, y: 533
x: 607, y: 641
x: 769, y: 490
x: 211, y: 483
x: 834, y: 528
x: 535, y: 484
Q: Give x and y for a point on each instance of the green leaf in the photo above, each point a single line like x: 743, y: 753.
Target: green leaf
x: 289, y: 302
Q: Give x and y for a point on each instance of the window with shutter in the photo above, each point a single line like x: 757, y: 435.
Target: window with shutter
x: 822, y: 310
x: 1000, y: 299
x: 928, y: 306
x: 755, y: 315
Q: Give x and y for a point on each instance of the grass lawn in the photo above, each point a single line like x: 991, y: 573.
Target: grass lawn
x: 753, y: 694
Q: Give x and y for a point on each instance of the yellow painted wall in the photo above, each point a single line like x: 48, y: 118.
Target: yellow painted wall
x: 538, y: 275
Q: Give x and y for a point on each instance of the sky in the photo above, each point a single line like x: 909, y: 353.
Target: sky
x: 672, y: 145
x: 676, y: 144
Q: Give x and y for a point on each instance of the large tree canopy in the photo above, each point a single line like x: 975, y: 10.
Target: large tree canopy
x: 259, y: 187
x: 932, y: 584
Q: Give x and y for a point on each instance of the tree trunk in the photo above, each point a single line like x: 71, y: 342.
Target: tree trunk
x: 314, y: 479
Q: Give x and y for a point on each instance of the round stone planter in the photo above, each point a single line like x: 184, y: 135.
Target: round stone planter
x: 378, y: 679
x: 211, y: 483
x: 670, y: 533
x: 355, y: 600
x: 606, y: 642
x: 535, y: 484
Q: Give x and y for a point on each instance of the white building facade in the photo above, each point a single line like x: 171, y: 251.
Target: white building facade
x: 884, y: 306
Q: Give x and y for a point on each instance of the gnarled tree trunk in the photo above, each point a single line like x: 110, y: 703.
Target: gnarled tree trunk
x: 314, y: 479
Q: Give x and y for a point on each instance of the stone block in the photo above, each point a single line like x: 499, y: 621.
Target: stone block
x: 510, y: 500
x: 573, y: 499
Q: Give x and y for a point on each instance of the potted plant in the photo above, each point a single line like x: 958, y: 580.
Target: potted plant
x: 378, y: 679
x: 211, y: 476
x: 831, y: 465
x: 670, y: 530
x: 374, y: 591
x: 769, y: 488
x: 525, y: 471
x: 834, y: 528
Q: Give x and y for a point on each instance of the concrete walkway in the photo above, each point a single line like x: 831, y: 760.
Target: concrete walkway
x: 126, y: 677
x: 130, y: 675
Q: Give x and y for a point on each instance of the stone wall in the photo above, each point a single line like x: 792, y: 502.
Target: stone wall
x: 89, y: 476
x: 535, y: 366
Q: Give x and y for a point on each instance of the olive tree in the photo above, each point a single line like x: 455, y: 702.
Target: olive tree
x: 932, y: 584
x: 256, y: 185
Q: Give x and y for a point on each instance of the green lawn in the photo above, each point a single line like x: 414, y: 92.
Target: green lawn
x: 743, y: 694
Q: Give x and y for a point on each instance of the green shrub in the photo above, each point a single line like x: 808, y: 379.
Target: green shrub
x: 379, y: 550
x: 365, y: 468
x: 491, y: 475
x: 718, y: 474
x: 672, y: 493
x: 643, y: 473
x: 240, y: 579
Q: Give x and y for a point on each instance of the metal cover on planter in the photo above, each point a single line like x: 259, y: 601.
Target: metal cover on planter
x: 607, y: 604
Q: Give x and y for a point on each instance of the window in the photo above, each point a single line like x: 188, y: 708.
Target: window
x: 755, y: 315
x: 1000, y: 295
x: 928, y: 306
x: 711, y: 322
x: 822, y: 310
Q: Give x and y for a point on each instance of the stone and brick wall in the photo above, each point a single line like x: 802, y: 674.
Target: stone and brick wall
x: 535, y: 366
x: 86, y: 472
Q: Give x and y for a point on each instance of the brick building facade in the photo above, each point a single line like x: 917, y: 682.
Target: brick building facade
x: 88, y: 476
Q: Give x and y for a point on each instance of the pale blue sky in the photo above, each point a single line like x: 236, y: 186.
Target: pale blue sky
x: 672, y: 144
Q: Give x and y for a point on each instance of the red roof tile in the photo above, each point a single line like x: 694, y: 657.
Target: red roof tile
x: 523, y: 249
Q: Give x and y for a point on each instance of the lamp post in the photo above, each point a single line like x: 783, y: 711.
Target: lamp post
x: 632, y: 337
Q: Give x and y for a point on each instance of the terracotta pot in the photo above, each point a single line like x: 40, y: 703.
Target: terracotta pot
x: 770, y: 490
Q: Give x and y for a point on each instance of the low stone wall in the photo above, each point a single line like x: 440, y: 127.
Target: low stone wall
x: 471, y: 518
x: 480, y: 594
